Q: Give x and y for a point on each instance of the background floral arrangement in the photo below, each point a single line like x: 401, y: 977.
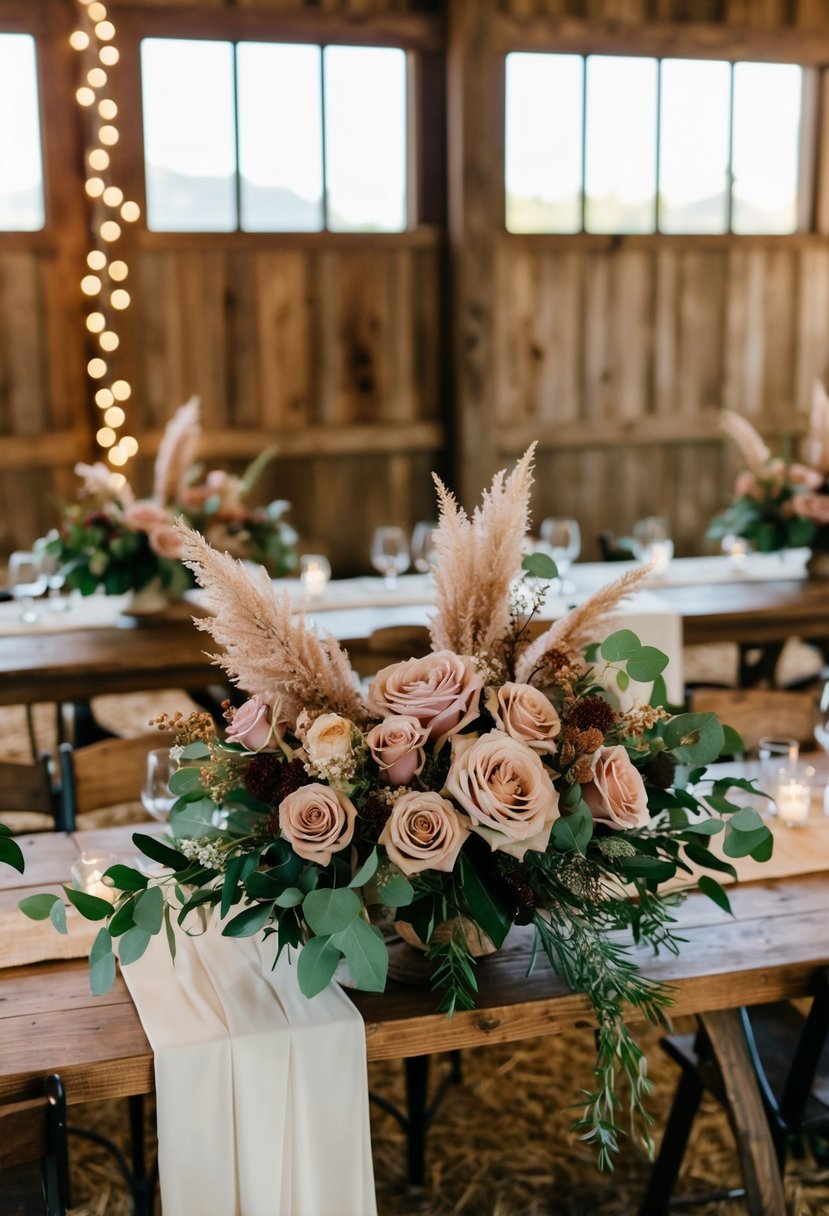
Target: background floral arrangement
x: 488, y: 783
x: 109, y: 538
x: 779, y: 504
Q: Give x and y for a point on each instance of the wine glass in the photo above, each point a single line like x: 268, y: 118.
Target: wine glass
x: 156, y: 796
x: 52, y: 569
x: 423, y: 545
x: 652, y: 542
x: 390, y: 554
x: 26, y: 580
x: 561, y: 538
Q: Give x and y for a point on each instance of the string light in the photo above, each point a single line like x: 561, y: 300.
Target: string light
x: 95, y: 42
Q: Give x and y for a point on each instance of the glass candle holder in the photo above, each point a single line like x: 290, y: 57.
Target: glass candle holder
x: 777, y: 755
x: 314, y: 573
x: 793, y: 797
x: 88, y: 876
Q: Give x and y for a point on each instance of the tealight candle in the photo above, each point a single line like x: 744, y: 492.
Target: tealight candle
x: 738, y: 552
x: 315, y: 572
x: 794, y: 801
x: 88, y: 876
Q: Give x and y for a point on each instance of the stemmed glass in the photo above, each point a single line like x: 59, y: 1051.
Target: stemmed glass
x: 561, y: 538
x: 390, y: 554
x: 26, y: 580
x: 55, y: 578
x: 423, y: 545
x: 156, y: 796
x: 652, y: 542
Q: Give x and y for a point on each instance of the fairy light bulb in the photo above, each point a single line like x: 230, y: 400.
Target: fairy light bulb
x: 120, y: 299
x: 96, y: 260
x: 90, y: 284
x: 96, y: 322
x: 94, y: 187
x: 107, y: 109
x: 85, y: 96
x: 96, y: 78
x: 129, y: 445
x: 113, y: 196
x: 105, y: 437
x: 115, y: 416
x: 109, y: 230
x: 96, y: 368
x: 121, y: 390
x: 98, y: 160
x: 97, y: 11
x: 117, y: 456
x: 79, y: 40
x: 108, y: 136
x: 109, y: 341
x: 104, y: 399
x: 130, y: 212
x: 109, y: 55
x: 105, y: 31
x: 118, y: 271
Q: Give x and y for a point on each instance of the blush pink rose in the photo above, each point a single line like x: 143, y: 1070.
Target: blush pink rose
x: 317, y: 821
x: 441, y: 690
x: 802, y: 475
x: 746, y: 485
x: 165, y: 541
x: 396, y: 746
x: 251, y: 725
x: 524, y: 713
x: 146, y: 515
x: 811, y: 506
x: 424, y: 832
x: 616, y: 795
x: 506, y: 791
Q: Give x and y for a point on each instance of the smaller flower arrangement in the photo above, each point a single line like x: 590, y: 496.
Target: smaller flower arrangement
x: 108, y: 538
x: 779, y: 504
x: 488, y: 783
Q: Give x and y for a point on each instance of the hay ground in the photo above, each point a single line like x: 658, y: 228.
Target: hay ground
x: 501, y: 1144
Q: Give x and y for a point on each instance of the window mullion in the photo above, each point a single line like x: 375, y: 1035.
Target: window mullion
x: 583, y: 196
x: 657, y: 150
x: 238, y: 173
x: 729, y: 192
x: 324, y: 137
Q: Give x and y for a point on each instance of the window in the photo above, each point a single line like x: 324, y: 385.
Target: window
x: 21, y: 166
x: 610, y: 144
x: 274, y: 137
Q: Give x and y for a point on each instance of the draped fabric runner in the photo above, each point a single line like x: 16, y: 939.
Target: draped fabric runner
x: 262, y: 1095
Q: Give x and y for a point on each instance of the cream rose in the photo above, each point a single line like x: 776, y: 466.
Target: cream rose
x: 396, y: 746
x: 328, y: 737
x: 441, y: 690
x: 424, y: 832
x: 251, y: 725
x: 524, y: 713
x: 146, y: 515
x: 165, y: 541
x: 616, y: 795
x: 317, y: 821
x: 506, y: 791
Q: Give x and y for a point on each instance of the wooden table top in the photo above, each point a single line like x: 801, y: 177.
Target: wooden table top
x: 49, y: 1021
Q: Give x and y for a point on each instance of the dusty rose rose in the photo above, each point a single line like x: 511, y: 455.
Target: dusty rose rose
x: 802, y: 475
x: 524, y: 713
x: 441, y: 691
x: 146, y: 515
x: 506, y: 791
x: 251, y: 725
x: 193, y: 497
x: 811, y: 506
x: 165, y: 541
x: 317, y: 821
x: 396, y: 746
x: 746, y: 485
x: 424, y: 832
x: 329, y: 736
x: 616, y: 795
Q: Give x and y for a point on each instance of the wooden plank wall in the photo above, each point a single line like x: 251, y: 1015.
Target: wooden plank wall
x: 372, y: 360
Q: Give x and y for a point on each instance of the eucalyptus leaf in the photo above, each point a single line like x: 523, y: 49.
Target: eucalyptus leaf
x: 195, y: 751
x: 395, y: 891
x: 620, y: 645
x: 365, y: 953
x: 249, y: 921
x: 149, y: 910
x: 125, y: 878
x: 694, y: 738
x: 318, y: 961
x: 156, y: 850
x: 38, y: 907
x: 330, y: 910
x: 132, y: 945
x: 291, y: 897
x: 539, y: 565
x: 58, y: 916
x: 573, y: 832
x: 367, y: 870
x: 193, y: 819
x: 186, y: 781
x: 483, y: 904
x: 710, y: 887
x: 11, y: 853
x: 89, y: 906
x: 646, y: 664
x: 101, y: 964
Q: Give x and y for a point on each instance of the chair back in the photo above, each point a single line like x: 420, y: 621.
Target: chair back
x: 27, y: 787
x: 103, y: 774
x: 33, y: 1152
x: 755, y: 712
x: 393, y: 644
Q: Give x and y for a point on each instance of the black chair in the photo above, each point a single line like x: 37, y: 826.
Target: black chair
x: 28, y: 787
x: 788, y: 1054
x: 615, y: 550
x: 34, y: 1165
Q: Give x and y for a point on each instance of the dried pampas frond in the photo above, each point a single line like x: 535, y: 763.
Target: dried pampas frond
x: 477, y: 561
x: 177, y: 450
x: 752, y: 446
x: 581, y: 626
x: 817, y: 441
x: 269, y: 651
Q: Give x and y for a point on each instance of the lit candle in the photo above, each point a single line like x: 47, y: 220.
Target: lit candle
x: 660, y: 553
x: 793, y: 802
x: 88, y: 876
x: 738, y: 553
x: 315, y: 573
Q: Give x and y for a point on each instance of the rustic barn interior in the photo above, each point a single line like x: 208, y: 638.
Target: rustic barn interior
x: 592, y: 225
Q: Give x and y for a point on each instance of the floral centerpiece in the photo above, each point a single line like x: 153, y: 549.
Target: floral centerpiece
x: 489, y: 783
x: 110, y: 538
x: 778, y: 503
